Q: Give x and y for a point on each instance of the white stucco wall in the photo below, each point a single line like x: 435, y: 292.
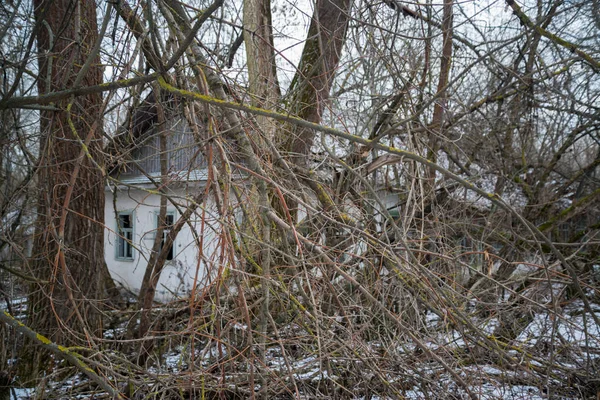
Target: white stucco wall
x: 177, y: 278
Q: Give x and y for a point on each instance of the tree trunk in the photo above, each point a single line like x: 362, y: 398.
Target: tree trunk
x: 319, y: 62
x: 68, y: 254
x: 155, y: 263
x: 439, y: 110
x: 264, y: 92
x: 262, y: 70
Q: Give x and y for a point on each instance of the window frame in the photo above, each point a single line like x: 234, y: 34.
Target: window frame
x: 166, y: 231
x: 123, y: 242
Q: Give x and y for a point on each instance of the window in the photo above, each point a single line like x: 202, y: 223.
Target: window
x: 125, y: 236
x: 169, y: 222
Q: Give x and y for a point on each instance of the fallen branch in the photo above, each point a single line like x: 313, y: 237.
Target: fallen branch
x: 61, y: 351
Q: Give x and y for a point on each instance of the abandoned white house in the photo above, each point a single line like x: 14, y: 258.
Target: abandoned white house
x: 133, y: 203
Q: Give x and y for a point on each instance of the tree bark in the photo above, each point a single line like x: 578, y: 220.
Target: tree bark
x: 69, y: 240
x: 439, y: 109
x: 262, y: 71
x: 264, y: 92
x: 155, y: 266
x: 319, y: 62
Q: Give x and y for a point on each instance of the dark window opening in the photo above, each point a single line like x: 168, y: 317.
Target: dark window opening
x: 169, y: 222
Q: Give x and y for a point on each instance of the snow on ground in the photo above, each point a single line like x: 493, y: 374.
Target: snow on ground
x: 572, y: 340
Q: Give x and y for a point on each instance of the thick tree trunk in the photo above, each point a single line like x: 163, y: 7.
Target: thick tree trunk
x: 318, y: 65
x: 262, y: 71
x: 68, y: 254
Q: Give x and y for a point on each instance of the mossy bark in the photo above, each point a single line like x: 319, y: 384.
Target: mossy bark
x: 68, y: 254
x: 312, y: 83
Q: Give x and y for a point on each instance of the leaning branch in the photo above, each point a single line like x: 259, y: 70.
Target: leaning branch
x: 568, y: 212
x: 61, y: 351
x: 492, y: 197
x: 332, y: 131
x: 559, y: 41
x: 18, y: 102
x: 21, y: 275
